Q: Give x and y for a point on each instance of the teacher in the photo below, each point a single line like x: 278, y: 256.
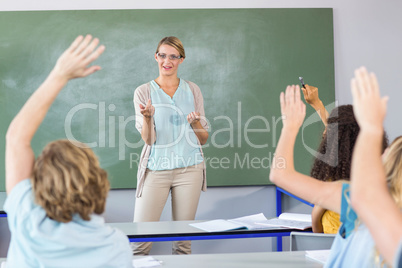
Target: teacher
x: 171, y: 119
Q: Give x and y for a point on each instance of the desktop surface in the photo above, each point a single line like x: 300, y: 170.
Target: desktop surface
x: 239, y: 260
x: 289, y: 259
x: 183, y: 228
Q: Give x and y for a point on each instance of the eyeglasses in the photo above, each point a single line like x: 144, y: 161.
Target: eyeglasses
x: 171, y: 57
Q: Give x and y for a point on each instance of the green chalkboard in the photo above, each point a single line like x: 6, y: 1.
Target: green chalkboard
x: 240, y: 58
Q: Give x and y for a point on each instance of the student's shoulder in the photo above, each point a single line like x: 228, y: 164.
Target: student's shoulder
x: 119, y: 238
x: 20, y: 200
x: 20, y: 191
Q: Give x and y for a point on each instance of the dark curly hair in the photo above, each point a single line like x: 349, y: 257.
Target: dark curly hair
x: 333, y: 161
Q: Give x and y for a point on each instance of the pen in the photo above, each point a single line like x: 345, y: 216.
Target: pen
x: 302, y: 82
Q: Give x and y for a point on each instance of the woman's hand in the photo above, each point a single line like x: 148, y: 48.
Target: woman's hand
x: 292, y: 108
x: 193, y: 118
x: 147, y: 111
x: 368, y: 106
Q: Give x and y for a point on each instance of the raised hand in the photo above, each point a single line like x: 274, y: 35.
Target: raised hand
x: 292, y: 108
x: 73, y: 63
x: 368, y: 106
x: 311, y: 95
x: 193, y: 118
x: 147, y: 111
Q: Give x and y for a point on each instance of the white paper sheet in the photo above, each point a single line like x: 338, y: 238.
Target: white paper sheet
x: 295, y: 217
x: 289, y: 220
x: 217, y: 225
x: 318, y: 255
x: 146, y: 262
x: 250, y: 222
x: 246, y: 222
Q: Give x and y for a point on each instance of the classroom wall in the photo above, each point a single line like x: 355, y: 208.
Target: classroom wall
x: 366, y: 32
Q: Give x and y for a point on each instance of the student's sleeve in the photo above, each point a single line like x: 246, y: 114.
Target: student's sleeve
x: 141, y: 96
x: 348, y: 215
x: 398, y: 257
x: 19, y: 203
x: 199, y: 104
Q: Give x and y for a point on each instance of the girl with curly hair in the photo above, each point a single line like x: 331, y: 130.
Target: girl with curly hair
x: 334, y: 155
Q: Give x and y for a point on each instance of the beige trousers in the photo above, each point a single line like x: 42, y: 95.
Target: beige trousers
x: 185, y: 187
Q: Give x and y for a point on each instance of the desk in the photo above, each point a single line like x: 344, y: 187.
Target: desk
x: 181, y: 230
x: 289, y: 259
x: 279, y: 192
x: 239, y: 260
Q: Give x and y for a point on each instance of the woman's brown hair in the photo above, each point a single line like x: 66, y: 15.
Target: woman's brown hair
x: 68, y: 180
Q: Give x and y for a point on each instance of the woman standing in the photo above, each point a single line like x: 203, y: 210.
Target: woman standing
x: 170, y: 117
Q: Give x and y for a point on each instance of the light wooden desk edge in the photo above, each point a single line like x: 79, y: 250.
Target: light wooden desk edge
x: 236, y: 260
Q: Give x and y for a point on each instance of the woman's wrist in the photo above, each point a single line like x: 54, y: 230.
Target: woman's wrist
x: 195, y: 124
x: 148, y: 119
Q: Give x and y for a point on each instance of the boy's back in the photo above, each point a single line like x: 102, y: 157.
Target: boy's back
x: 38, y: 241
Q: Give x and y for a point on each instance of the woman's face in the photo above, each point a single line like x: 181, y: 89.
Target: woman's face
x: 168, y: 60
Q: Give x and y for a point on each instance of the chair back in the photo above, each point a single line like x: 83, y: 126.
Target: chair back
x: 310, y: 241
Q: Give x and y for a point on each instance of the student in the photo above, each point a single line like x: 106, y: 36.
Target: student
x: 170, y: 117
x: 54, y: 202
x: 333, y: 161
x: 379, y: 210
x: 322, y: 220
x: 334, y: 156
x: 353, y: 245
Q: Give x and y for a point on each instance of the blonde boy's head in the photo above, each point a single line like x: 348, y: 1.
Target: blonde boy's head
x: 68, y: 180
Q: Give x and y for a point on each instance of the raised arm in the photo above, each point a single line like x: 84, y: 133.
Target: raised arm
x: 73, y: 63
x: 369, y: 191
x: 283, y: 173
x: 311, y: 97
